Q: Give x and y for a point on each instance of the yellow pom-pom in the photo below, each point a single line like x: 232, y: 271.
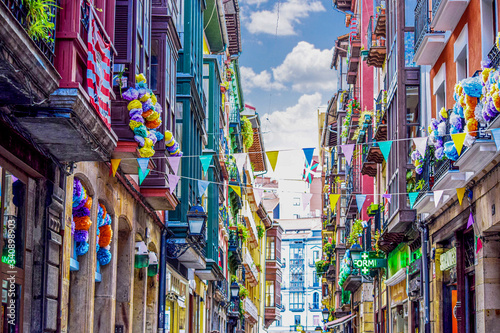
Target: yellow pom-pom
x: 135, y: 104
x: 140, y: 78
x: 443, y: 113
x: 486, y: 74
x: 148, y: 142
x: 461, y: 100
x: 168, y: 135
x: 153, y: 116
x: 146, y: 152
x: 145, y: 97
x: 154, y: 100
x: 134, y: 124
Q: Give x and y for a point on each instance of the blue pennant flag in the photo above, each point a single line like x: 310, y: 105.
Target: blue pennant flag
x: 413, y: 196
x: 205, y: 162
x: 143, y: 164
x: 308, y: 152
x: 496, y: 136
x: 202, y: 187
x: 360, y: 200
x: 385, y: 148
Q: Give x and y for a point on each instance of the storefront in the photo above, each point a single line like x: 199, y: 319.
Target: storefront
x: 398, y: 306
x: 176, y: 307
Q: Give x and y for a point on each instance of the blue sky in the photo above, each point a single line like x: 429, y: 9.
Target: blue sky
x: 286, y: 71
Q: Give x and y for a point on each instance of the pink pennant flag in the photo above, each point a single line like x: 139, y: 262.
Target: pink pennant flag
x: 172, y: 182
x: 174, y: 163
x: 387, y: 196
x: 306, y: 199
x: 347, y: 150
x: 479, y: 245
x: 258, y: 192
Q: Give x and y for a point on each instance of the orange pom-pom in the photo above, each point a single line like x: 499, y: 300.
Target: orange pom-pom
x: 153, y: 124
x: 472, y: 127
x: 105, y: 235
x: 147, y: 113
x: 82, y: 223
x: 496, y: 100
x: 103, y: 210
x: 469, y: 113
x: 88, y: 204
x: 470, y: 101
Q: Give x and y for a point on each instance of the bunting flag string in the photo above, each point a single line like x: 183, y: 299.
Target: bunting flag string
x: 385, y: 148
x: 308, y: 153
x: 202, y: 187
x: 496, y: 136
x: 348, y: 150
x: 236, y: 189
x: 258, y: 192
x: 115, y: 162
x: 471, y: 221
x: 241, y: 158
x: 334, y: 198
x: 143, y: 163
x: 387, y: 196
x: 360, y: 201
x: 458, y: 140
x: 437, y: 197
x: 413, y: 196
x: 205, y: 162
x: 143, y: 175
x: 174, y: 163
x: 460, y: 194
x: 272, y: 156
x: 421, y: 144
x: 306, y: 200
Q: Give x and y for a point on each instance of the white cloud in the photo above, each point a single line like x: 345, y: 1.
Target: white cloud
x: 286, y: 15
x: 296, y: 126
x: 262, y: 80
x: 307, y: 69
x: 253, y: 2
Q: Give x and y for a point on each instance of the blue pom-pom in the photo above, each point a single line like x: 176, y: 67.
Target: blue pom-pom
x: 158, y: 135
x: 473, y: 86
x: 104, y: 256
x: 450, y: 151
x: 82, y: 248
x: 81, y: 235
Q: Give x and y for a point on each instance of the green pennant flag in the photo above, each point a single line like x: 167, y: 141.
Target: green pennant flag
x: 413, y: 196
x: 385, y: 148
x: 205, y: 162
x: 143, y: 175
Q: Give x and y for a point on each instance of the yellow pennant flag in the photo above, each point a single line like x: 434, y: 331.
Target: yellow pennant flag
x: 460, y: 194
x: 273, y: 158
x: 115, y: 162
x: 236, y: 189
x: 333, y: 201
x: 458, y: 140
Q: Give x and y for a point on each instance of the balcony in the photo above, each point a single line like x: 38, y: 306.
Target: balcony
x: 251, y: 312
x: 381, y: 117
x: 380, y: 18
x: 447, y: 13
x: 475, y: 158
x: 429, y: 43
x: 447, y: 175
x: 235, y: 247
x: 271, y: 314
x: 211, y: 272
x: 27, y: 74
x: 377, y: 49
x: 251, y: 272
x: 354, y: 57
x: 425, y: 199
x: 221, y: 290
x: 192, y: 253
x: 155, y: 187
x: 353, y: 282
x: 344, y: 5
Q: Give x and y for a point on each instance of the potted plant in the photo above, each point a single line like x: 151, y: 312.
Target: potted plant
x: 372, y: 209
x: 243, y: 292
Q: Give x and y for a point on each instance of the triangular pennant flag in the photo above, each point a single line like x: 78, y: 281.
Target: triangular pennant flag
x: 172, y: 182
x: 496, y: 136
x: 385, y: 148
x: 202, y: 187
x: 241, y: 158
x: 115, y: 162
x: 273, y: 158
x: 387, y: 196
x: 421, y: 145
x: 308, y: 152
x: 413, y: 196
x: 236, y: 189
x: 257, y: 193
x: 479, y: 245
x: 306, y: 199
x: 470, y: 222
x: 460, y: 194
x: 437, y: 197
x: 143, y: 163
x: 142, y: 175
x: 360, y: 201
x: 347, y: 150
x: 458, y: 140
x: 333, y: 201
x: 205, y: 162
x: 174, y: 163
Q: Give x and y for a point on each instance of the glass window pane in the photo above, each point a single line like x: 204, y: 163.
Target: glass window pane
x: 154, y: 64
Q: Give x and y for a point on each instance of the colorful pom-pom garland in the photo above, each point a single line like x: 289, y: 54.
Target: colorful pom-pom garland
x: 145, y: 115
x: 104, y: 236
x: 81, y: 217
x: 173, y: 147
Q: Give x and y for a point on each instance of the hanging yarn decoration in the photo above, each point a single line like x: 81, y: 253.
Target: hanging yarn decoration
x: 104, y: 236
x: 145, y: 115
x: 173, y: 147
x: 82, y: 203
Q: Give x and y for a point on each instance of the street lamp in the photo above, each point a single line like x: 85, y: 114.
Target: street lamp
x: 326, y: 314
x: 153, y: 264
x: 141, y: 255
x: 235, y: 290
x: 196, y: 218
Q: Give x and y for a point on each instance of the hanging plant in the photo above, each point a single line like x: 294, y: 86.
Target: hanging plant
x: 243, y: 292
x: 260, y: 231
x: 356, y: 232
x: 243, y: 232
x: 247, y: 132
x: 39, y: 17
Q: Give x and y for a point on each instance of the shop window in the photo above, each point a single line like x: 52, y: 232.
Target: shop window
x: 297, y: 320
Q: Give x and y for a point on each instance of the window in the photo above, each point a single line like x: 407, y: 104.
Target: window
x: 154, y: 65
x: 462, y: 65
x: 315, y: 320
x: 315, y: 304
x: 297, y: 252
x: 297, y: 319
x: 296, y: 201
x: 316, y: 255
x: 269, y: 293
x: 440, y: 97
x: 270, y: 255
x: 315, y: 279
x: 296, y: 301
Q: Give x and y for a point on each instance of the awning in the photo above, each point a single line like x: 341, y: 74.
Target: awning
x: 340, y: 321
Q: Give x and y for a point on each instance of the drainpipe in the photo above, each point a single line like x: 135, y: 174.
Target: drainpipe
x: 424, y: 234
x: 163, y: 281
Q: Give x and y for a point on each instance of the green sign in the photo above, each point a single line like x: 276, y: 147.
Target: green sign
x: 367, y: 260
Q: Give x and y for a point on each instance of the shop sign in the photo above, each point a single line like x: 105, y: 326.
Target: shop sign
x: 367, y: 260
x: 448, y: 259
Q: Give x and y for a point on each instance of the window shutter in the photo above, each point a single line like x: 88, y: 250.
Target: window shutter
x: 123, y: 31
